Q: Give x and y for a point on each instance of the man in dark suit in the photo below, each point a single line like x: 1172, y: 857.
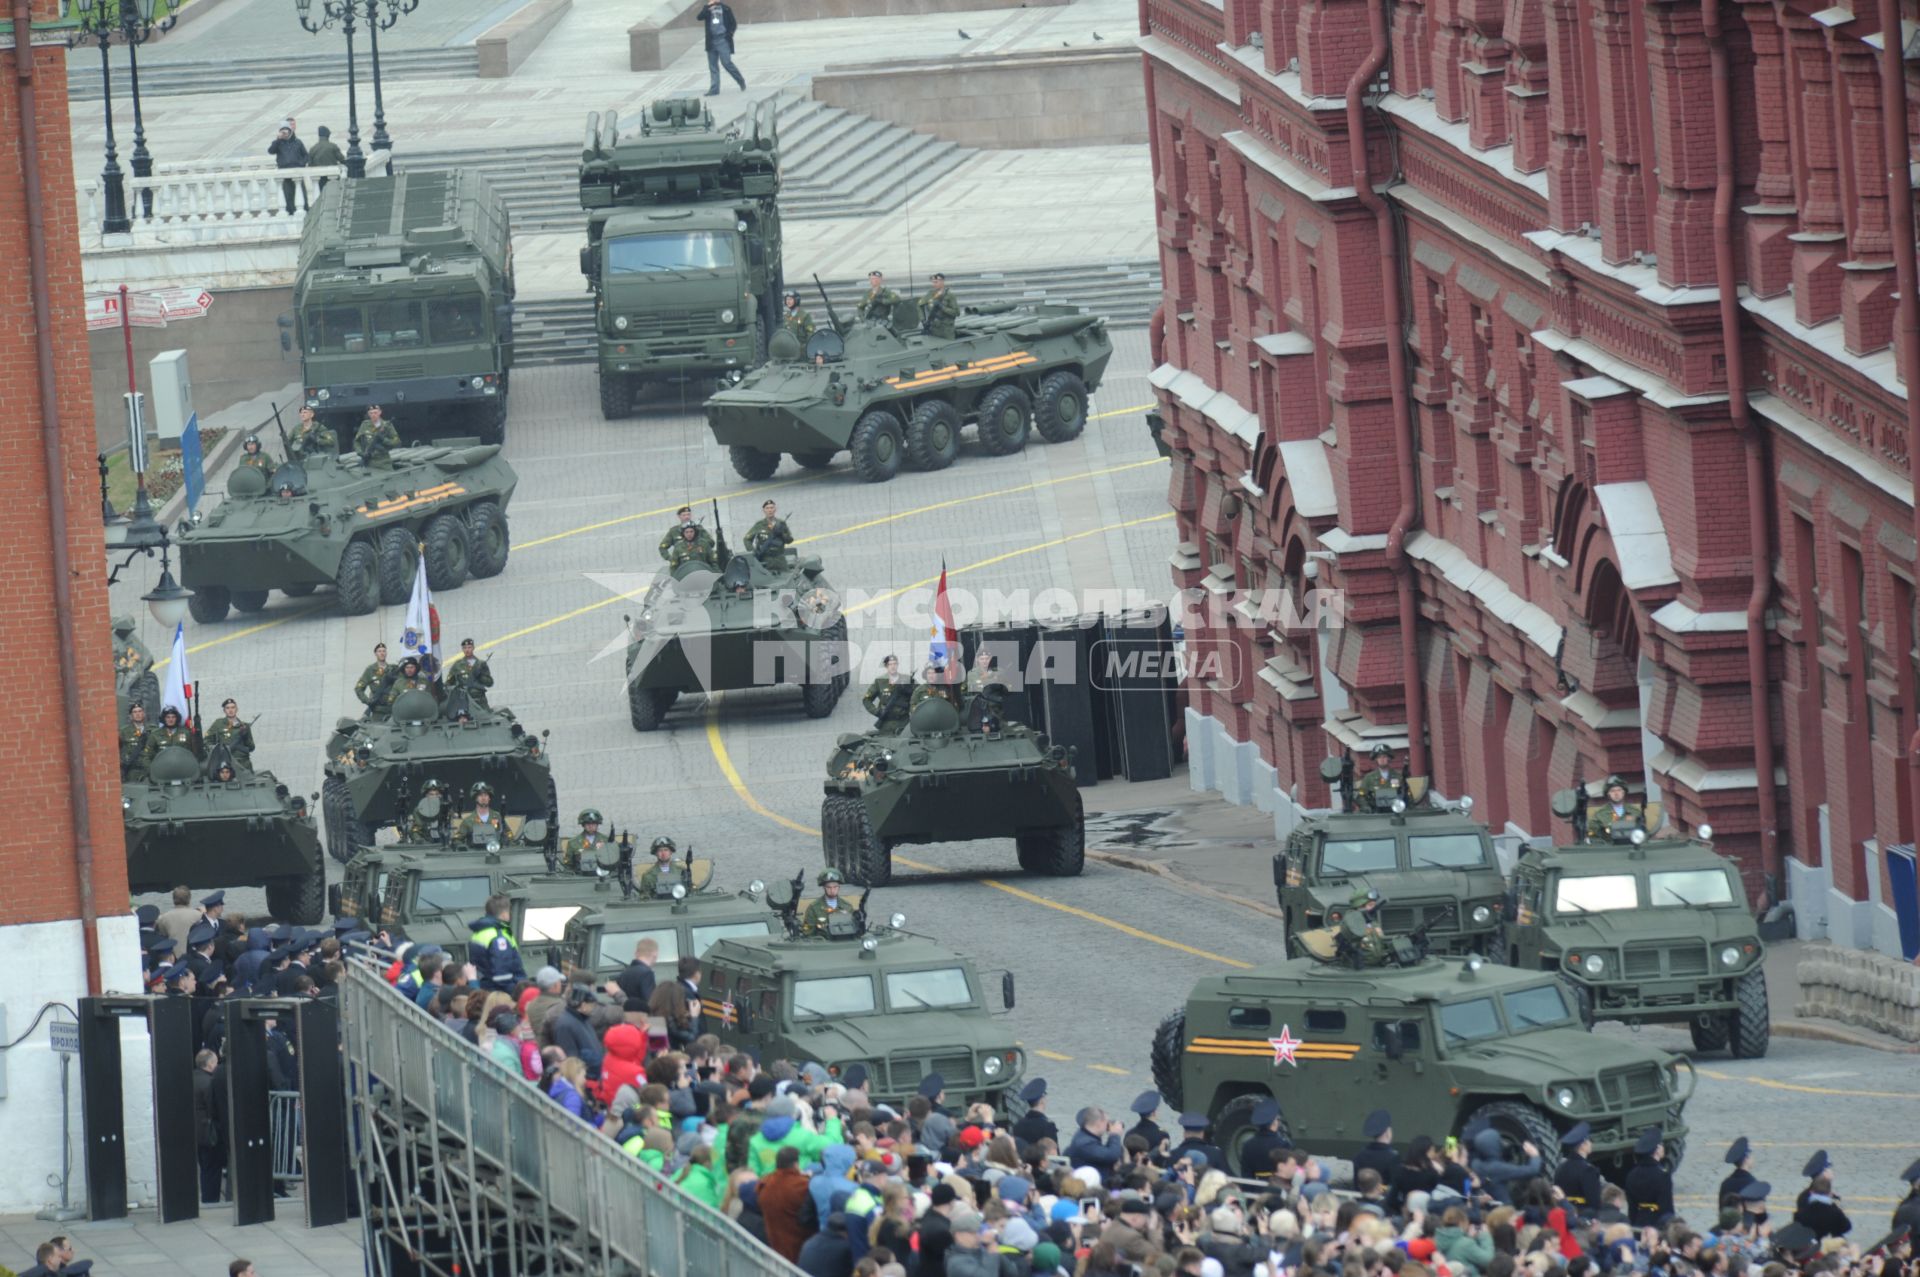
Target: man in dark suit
x: 1034, y: 1125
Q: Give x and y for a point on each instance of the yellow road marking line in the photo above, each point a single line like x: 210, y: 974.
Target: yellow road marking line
x: 1809, y: 1090
x: 1121, y: 412
x: 566, y: 616
x: 240, y: 634
x: 1108, y: 1068
x: 1050, y: 1055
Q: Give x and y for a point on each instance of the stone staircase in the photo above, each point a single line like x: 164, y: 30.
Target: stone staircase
x: 160, y: 78
x: 559, y: 330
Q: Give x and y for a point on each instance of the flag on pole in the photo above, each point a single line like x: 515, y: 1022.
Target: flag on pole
x: 422, y: 636
x: 940, y: 648
x: 174, y: 693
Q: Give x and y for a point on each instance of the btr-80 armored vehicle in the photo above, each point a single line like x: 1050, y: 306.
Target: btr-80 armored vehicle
x: 375, y: 771
x: 184, y: 824
x: 760, y: 621
x: 1646, y: 927
x: 1432, y: 864
x: 862, y: 993
x: 332, y: 521
x: 887, y: 391
x: 943, y: 780
x: 1465, y: 1044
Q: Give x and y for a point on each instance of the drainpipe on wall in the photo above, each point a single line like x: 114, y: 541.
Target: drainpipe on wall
x: 1758, y: 526
x: 56, y: 483
x: 1397, y: 377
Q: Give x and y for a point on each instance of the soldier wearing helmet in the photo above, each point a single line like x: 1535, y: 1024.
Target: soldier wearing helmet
x: 829, y: 903
x: 1362, y: 922
x: 428, y: 823
x: 660, y: 872
x: 482, y: 818
x: 1615, y: 810
x: 410, y: 679
x: 254, y: 457
x: 795, y: 319
x: 577, y: 852
x: 1379, y: 787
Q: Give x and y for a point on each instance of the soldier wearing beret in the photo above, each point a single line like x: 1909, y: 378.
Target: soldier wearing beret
x: 770, y: 527
x: 312, y: 438
x: 939, y: 309
x: 468, y: 673
x: 684, y: 515
x: 879, y: 301
x: 237, y: 736
x: 375, y: 440
x: 371, y: 689
x: 133, y: 743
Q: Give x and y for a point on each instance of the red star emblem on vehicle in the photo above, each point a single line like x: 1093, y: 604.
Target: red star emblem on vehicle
x: 1284, y: 1046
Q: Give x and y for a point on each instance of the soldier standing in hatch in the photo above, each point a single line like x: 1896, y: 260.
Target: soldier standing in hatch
x: 770, y: 525
x: 483, y: 817
x: 422, y: 827
x: 253, y: 458
x: 1616, y: 809
x: 234, y: 734
x: 172, y: 731
x: 678, y: 530
x: 371, y: 689
x: 879, y: 301
x: 889, y: 698
x: 662, y: 866
x: 409, y: 679
x: 1379, y: 787
x: 312, y: 438
x: 469, y: 673
x: 133, y: 743
x: 1363, y: 924
x: 821, y: 910
x: 935, y: 683
x: 584, y: 846
x: 691, y: 547
x: 795, y: 320
x: 376, y: 439
x: 939, y: 308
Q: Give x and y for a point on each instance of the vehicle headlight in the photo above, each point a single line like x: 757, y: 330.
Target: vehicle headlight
x: 756, y: 888
x: 325, y: 393
x: 479, y: 382
x: 991, y: 1066
x: 1466, y: 802
x: 869, y: 944
x: 620, y: 323
x: 1637, y: 837
x: 1399, y: 806
x: 1564, y: 1097
x: 726, y: 316
x: 1594, y: 964
x: 493, y: 846
x: 1704, y: 833
x: 679, y: 891
x: 1482, y: 915
x: 1729, y: 957
x: 199, y: 517
x: 897, y: 921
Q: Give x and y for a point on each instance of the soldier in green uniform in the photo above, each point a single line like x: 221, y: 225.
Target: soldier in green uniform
x: 691, y: 547
x: 829, y: 903
x: 375, y: 440
x: 428, y: 823
x: 985, y: 690
x: 482, y: 818
x: 889, y: 698
x: 312, y: 438
x: 795, y: 320
x: 1379, y: 787
x: 939, y: 308
x: 936, y: 683
x: 372, y: 687
x: 770, y: 525
x: 577, y: 853
x: 1616, y: 810
x: 252, y: 457
x: 1362, y: 922
x: 662, y: 867
x: 674, y: 533
x: 468, y: 673
x: 879, y: 300
x: 133, y: 743
x: 409, y: 679
x: 172, y: 731
x: 234, y: 734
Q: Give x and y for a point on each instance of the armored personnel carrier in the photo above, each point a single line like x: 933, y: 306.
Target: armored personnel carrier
x: 134, y: 681
x: 375, y: 769
x: 887, y: 392
x: 183, y: 824
x: 1464, y: 1043
x: 403, y: 297
x: 683, y: 245
x: 863, y: 993
x: 943, y: 780
x: 1432, y: 864
x: 1648, y: 927
x: 761, y: 621
x: 332, y: 521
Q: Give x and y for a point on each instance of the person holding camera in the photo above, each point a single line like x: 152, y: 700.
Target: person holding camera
x: 1097, y: 1141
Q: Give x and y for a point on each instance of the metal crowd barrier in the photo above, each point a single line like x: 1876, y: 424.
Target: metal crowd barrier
x: 283, y: 1109
x: 464, y: 1168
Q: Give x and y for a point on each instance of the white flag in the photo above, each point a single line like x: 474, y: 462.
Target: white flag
x: 174, y: 692
x: 422, y: 637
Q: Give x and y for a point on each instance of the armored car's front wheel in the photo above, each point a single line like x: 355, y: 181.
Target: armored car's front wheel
x: 814, y: 460
x: 876, y: 446
x: 1169, y: 1043
x: 249, y: 601
x: 396, y: 553
x: 1055, y: 853
x: 209, y: 604
x: 1061, y: 413
x: 646, y: 707
x: 357, y: 586
x: 933, y: 435
x: 869, y: 858
x: 1006, y: 415
x: 449, y: 553
x: 1752, y: 1029
x: 488, y: 542
x: 753, y: 463
x: 303, y: 900
x: 1708, y: 1035
x: 1517, y: 1122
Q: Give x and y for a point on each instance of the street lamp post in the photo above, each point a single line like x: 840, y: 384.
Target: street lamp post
x: 133, y: 21
x: 344, y: 12
x: 396, y: 9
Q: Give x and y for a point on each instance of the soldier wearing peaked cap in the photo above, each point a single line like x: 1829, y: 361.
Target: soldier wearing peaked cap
x: 1378, y: 1155
x: 1035, y: 1125
x: 1907, y: 1214
x: 1578, y: 1179
x: 214, y: 904
x: 1144, y: 1106
x: 1256, y: 1155
x: 160, y: 952
x: 1740, y: 1157
x: 933, y: 1089
x: 1649, y: 1185
x: 1196, y: 1125
x: 1818, y: 1207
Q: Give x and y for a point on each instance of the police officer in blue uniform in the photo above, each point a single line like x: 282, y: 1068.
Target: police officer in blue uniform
x: 1578, y: 1179
x: 1378, y: 1156
x: 1196, y: 1126
x: 1034, y: 1125
x: 1649, y: 1185
x: 1818, y: 1208
x: 1740, y: 1157
x: 1144, y: 1106
x: 491, y: 948
x: 1256, y: 1155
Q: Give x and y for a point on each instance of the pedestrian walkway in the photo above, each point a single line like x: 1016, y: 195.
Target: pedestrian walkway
x: 141, y: 1246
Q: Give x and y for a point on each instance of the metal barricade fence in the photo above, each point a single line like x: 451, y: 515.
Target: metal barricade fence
x: 283, y: 1116
x: 465, y: 1168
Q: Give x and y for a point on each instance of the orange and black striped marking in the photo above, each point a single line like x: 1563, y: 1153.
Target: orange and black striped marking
x: 412, y: 501
x: 954, y: 372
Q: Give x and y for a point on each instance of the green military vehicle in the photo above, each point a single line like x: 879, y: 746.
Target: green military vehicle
x: 184, y: 824
x: 684, y: 915
x: 433, y: 889
x: 862, y: 993
x: 885, y: 390
x: 683, y: 246
x: 1462, y: 1042
x: 1649, y: 927
x: 403, y: 297
x: 948, y: 780
x: 332, y: 521
x: 1433, y: 865
x: 762, y: 620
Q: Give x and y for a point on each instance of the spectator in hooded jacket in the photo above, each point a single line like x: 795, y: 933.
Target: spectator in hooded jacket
x: 624, y: 1062
x: 288, y: 151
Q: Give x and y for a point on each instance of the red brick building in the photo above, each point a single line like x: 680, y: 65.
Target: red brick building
x: 44, y: 951
x: 1567, y: 512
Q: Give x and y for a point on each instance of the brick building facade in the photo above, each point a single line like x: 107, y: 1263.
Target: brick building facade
x: 1581, y: 546
x: 42, y: 952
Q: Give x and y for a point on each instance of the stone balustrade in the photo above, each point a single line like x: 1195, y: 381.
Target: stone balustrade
x: 1862, y: 988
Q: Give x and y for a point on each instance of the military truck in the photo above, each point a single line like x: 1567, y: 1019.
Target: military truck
x: 866, y: 992
x: 1433, y: 865
x: 331, y: 521
x: 1649, y: 927
x: 684, y: 918
x: 762, y: 620
x: 403, y: 297
x: 945, y: 780
x: 1464, y: 1043
x: 683, y: 246
x: 886, y: 391
x: 376, y: 771
x: 185, y: 825
x: 134, y: 681
x: 432, y: 890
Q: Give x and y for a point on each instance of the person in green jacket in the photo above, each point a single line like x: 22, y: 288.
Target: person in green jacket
x: 781, y: 1130
x: 1465, y: 1245
x: 697, y: 1179
x: 651, y: 1146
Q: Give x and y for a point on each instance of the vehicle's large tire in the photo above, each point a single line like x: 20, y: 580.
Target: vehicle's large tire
x: 357, y: 585
x: 753, y: 463
x: 814, y: 460
x: 249, y: 601
x: 449, y: 554
x: 490, y: 419
x: 345, y: 829
x: 1061, y: 413
x: 209, y: 604
x: 1169, y: 1044
x: 933, y: 435
x: 1676, y: 1151
x: 301, y: 901
x: 616, y: 395
x: 146, y: 691
x: 1233, y: 1126
x: 553, y: 816
x: 1752, y: 1029
x: 869, y: 857
x: 488, y: 541
x: 833, y: 830
x: 645, y: 708
x: 300, y: 591
x: 397, y: 552
x: 333, y: 797
x: 1006, y: 416
x: 818, y: 699
x: 1055, y: 853
x: 876, y: 446
x: 1516, y: 1120
x: 1581, y: 999
x: 1711, y: 1036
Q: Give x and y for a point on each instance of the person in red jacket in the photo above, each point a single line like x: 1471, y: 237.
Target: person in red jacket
x: 625, y: 1063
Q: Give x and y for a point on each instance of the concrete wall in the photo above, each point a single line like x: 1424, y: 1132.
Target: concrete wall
x: 233, y: 353
x: 1069, y: 98
x: 507, y: 44
x: 802, y: 10
x: 663, y: 35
